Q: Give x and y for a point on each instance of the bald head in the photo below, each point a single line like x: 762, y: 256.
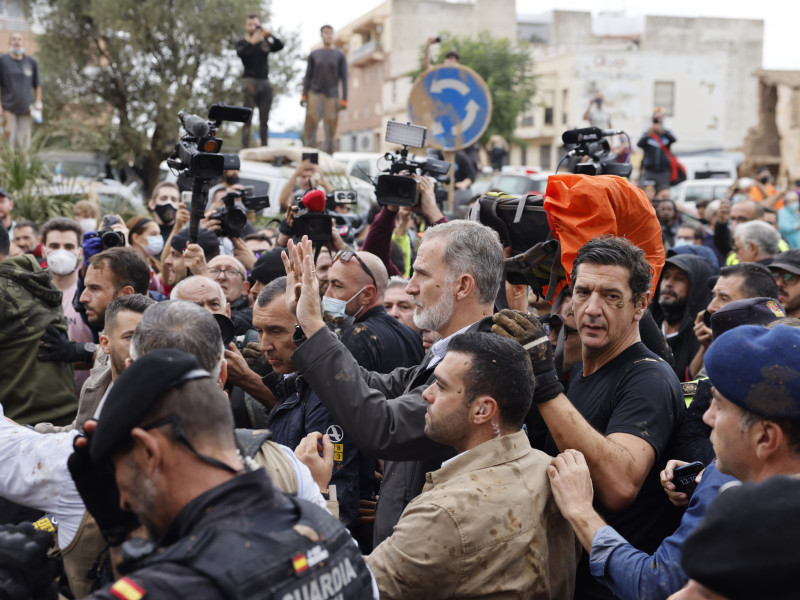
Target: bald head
x: 203, y: 291
x: 379, y: 271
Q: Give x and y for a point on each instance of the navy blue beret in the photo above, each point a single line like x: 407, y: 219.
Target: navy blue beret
x: 758, y: 369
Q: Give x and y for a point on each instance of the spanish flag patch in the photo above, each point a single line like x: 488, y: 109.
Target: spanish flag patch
x: 300, y: 563
x: 125, y: 589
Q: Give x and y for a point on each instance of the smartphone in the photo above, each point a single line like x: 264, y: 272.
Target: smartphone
x: 684, y: 477
x: 313, y: 157
x: 707, y: 318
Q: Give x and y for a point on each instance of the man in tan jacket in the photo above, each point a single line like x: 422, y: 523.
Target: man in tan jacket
x: 486, y: 524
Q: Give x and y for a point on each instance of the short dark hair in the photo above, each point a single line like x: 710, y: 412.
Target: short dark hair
x: 697, y: 230
x: 617, y: 251
x: 790, y: 429
x: 27, y: 223
x: 5, y: 242
x: 257, y: 237
x: 272, y: 290
x: 253, y: 16
x: 501, y: 369
x: 452, y: 54
x: 61, y: 224
x: 758, y: 280
x: 128, y: 267
x: 163, y: 184
x: 325, y: 27
x: 132, y: 303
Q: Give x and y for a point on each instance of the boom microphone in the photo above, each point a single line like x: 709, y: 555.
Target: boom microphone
x: 587, y: 134
x: 194, y: 125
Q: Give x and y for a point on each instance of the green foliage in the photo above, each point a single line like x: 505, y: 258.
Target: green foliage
x: 21, y: 172
x: 115, y: 73
x: 507, y: 69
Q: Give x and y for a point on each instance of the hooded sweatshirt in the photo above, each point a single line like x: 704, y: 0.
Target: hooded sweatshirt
x: 685, y: 345
x: 32, y: 391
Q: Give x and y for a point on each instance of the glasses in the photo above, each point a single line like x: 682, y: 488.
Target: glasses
x: 346, y: 255
x: 740, y: 219
x: 786, y: 277
x: 228, y: 273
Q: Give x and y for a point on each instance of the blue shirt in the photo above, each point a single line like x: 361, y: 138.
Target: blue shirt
x: 632, y: 574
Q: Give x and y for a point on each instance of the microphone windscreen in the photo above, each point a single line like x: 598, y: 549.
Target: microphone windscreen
x: 314, y: 200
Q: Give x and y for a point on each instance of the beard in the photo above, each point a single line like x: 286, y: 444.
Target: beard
x: 435, y: 317
x: 673, y: 308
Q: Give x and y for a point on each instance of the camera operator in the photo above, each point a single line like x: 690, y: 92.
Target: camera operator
x: 306, y: 175
x: 655, y: 164
x: 212, y: 220
x: 379, y: 236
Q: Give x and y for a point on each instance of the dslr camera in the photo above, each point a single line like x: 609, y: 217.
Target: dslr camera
x: 398, y: 188
x: 108, y: 237
x: 233, y: 216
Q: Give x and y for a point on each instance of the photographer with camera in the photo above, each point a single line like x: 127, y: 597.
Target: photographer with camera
x: 307, y: 175
x: 656, y: 143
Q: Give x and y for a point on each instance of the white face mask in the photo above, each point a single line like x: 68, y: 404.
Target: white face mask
x: 62, y: 262
x: 155, y: 244
x: 333, y: 311
x: 679, y: 242
x: 88, y: 224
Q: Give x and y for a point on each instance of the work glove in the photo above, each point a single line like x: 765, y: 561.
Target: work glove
x: 92, y: 244
x: 529, y: 332
x: 26, y: 572
x: 98, y: 489
x: 255, y: 358
x: 55, y: 346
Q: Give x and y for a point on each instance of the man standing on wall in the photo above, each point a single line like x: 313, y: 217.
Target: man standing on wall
x: 254, y: 51
x: 326, y: 67
x: 20, y: 91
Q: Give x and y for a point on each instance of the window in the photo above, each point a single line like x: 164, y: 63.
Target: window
x: 664, y: 96
x: 549, y: 100
x: 544, y: 156
x: 527, y: 120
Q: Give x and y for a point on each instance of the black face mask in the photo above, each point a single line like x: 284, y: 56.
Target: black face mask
x: 166, y: 213
x: 231, y: 180
x: 764, y: 180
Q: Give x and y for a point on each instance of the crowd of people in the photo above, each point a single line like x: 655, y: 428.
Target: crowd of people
x: 255, y: 414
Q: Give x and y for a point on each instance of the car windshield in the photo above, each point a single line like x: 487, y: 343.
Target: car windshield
x: 517, y: 185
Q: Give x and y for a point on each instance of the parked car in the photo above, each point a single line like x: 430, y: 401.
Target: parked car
x: 519, y: 181
x: 362, y: 165
x: 692, y: 190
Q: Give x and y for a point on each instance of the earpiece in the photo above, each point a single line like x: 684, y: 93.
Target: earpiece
x: 482, y: 410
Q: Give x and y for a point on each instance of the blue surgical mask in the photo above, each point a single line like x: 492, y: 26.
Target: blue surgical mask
x: 334, y: 311
x: 17, y: 52
x: 155, y: 244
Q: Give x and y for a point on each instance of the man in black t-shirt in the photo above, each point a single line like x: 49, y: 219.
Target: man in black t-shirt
x: 624, y: 401
x: 254, y: 50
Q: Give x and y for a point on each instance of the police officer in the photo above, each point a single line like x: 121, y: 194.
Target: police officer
x: 222, y: 531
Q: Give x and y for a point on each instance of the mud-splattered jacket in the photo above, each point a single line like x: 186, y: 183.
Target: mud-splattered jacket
x: 485, y: 525
x: 32, y: 391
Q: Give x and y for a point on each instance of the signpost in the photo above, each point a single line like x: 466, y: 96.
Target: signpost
x: 454, y: 103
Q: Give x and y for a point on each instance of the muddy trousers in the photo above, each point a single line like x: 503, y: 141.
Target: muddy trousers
x: 257, y: 93
x: 320, y: 107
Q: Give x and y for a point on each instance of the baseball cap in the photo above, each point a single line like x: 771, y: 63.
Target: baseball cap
x: 757, y: 369
x: 788, y: 261
x: 750, y: 311
x: 205, y: 239
x: 4, y: 192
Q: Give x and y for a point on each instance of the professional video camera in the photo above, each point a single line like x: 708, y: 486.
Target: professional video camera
x: 403, y: 190
x: 311, y: 218
x: 197, y: 157
x: 233, y: 216
x: 590, y: 146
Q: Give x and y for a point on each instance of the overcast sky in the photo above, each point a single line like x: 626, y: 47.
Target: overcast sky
x: 781, y: 26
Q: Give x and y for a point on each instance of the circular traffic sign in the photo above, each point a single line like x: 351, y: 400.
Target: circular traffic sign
x: 454, y: 103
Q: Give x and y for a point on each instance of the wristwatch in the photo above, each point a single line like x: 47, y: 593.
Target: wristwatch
x: 88, y: 348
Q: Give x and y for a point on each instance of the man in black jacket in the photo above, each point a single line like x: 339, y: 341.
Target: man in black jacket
x: 682, y: 293
x: 457, y: 272
x: 254, y: 51
x: 357, y: 284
